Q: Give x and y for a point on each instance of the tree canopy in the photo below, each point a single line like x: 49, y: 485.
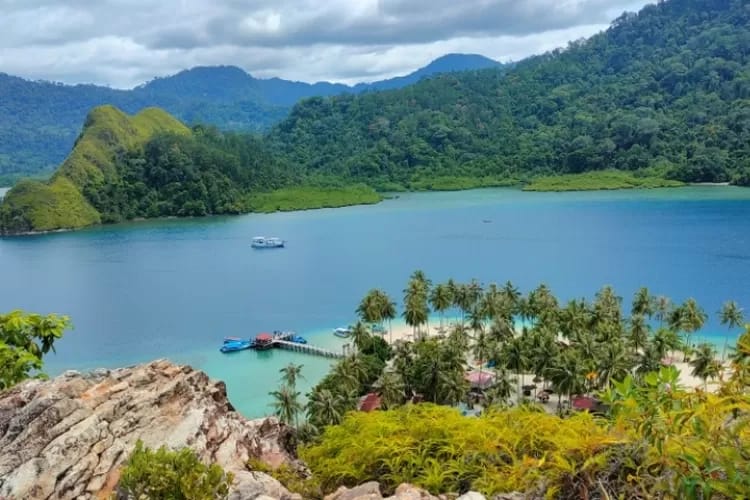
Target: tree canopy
x: 664, y: 92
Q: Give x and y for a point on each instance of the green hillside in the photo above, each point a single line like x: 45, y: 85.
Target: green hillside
x: 69, y: 199
x: 151, y: 165
x: 665, y: 92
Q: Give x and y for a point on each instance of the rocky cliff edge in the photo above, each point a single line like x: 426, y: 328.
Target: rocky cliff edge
x: 67, y: 437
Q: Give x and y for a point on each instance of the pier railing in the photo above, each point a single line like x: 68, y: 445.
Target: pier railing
x: 306, y: 348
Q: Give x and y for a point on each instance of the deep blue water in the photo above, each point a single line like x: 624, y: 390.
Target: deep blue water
x: 174, y: 288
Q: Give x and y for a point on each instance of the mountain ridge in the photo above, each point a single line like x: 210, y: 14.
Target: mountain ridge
x: 39, y: 120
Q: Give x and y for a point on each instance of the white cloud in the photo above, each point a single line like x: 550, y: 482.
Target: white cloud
x: 125, y: 42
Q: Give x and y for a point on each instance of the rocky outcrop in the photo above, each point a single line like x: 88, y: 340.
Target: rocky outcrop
x: 67, y: 437
x: 371, y: 491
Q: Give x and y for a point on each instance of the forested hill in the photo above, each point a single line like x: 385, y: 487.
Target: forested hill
x: 147, y: 165
x: 39, y: 121
x: 665, y: 91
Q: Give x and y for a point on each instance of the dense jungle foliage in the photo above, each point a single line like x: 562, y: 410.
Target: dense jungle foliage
x: 666, y: 90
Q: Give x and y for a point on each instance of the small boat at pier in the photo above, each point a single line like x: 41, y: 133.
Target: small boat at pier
x: 234, y: 339
x: 267, y: 242
x: 234, y: 345
x: 298, y: 340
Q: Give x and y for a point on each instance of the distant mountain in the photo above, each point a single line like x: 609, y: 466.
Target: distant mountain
x: 446, y: 64
x: 39, y: 121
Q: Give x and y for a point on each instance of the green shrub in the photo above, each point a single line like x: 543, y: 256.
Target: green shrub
x: 172, y: 475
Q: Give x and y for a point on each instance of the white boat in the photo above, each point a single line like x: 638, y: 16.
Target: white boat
x: 265, y: 242
x: 343, y: 332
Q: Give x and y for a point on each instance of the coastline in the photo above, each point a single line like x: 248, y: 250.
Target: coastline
x: 381, y: 196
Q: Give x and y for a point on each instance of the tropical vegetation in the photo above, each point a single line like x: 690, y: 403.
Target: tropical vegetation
x: 165, y: 474
x: 660, y: 94
x: 647, y: 434
x: 598, y: 180
x: 24, y: 340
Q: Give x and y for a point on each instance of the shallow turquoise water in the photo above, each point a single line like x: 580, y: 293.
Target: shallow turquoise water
x: 174, y: 288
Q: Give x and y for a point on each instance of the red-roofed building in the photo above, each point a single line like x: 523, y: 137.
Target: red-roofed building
x: 581, y: 403
x: 480, y: 380
x: 369, y: 402
x: 263, y: 341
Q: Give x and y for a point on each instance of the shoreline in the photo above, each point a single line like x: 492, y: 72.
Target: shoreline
x: 384, y: 196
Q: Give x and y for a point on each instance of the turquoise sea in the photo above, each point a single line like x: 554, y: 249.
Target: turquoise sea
x: 174, y: 288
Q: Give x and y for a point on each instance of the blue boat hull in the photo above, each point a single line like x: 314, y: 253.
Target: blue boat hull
x: 235, y: 346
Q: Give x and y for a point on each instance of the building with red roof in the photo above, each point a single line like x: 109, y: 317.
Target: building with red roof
x: 369, y: 402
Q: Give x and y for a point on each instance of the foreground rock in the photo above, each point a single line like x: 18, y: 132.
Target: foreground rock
x: 67, y: 437
x: 371, y: 491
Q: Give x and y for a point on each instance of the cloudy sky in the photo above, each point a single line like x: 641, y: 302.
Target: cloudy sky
x: 123, y: 43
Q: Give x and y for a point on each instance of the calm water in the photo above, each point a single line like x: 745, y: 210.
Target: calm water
x: 174, y: 288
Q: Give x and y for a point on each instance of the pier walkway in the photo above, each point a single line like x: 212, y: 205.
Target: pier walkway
x: 306, y: 348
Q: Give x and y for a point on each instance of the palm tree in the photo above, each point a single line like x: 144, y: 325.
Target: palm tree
x: 649, y: 360
x: 441, y: 299
x: 369, y: 309
x: 575, y: 318
x: 514, y: 357
x: 661, y: 308
x: 326, y: 408
x: 639, y: 331
x: 474, y: 290
x: 286, y: 404
x: 544, y: 350
x: 290, y: 373
x: 459, y: 337
x: 643, y: 304
x: 613, y: 364
x: 501, y: 390
x: 481, y: 350
x: 388, y: 312
x: 693, y: 317
x: 732, y: 316
x: 360, y: 336
x: 664, y: 341
x: 566, y: 375
x: 390, y: 387
x: 415, y: 312
x: 511, y: 294
x: 452, y: 387
x: 420, y: 277
x: 501, y: 330
x: 704, y: 363
x: 462, y: 300
x: 607, y: 306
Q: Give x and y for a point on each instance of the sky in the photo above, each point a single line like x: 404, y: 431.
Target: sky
x: 123, y: 43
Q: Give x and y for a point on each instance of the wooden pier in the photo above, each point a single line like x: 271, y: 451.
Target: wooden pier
x: 306, y: 348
